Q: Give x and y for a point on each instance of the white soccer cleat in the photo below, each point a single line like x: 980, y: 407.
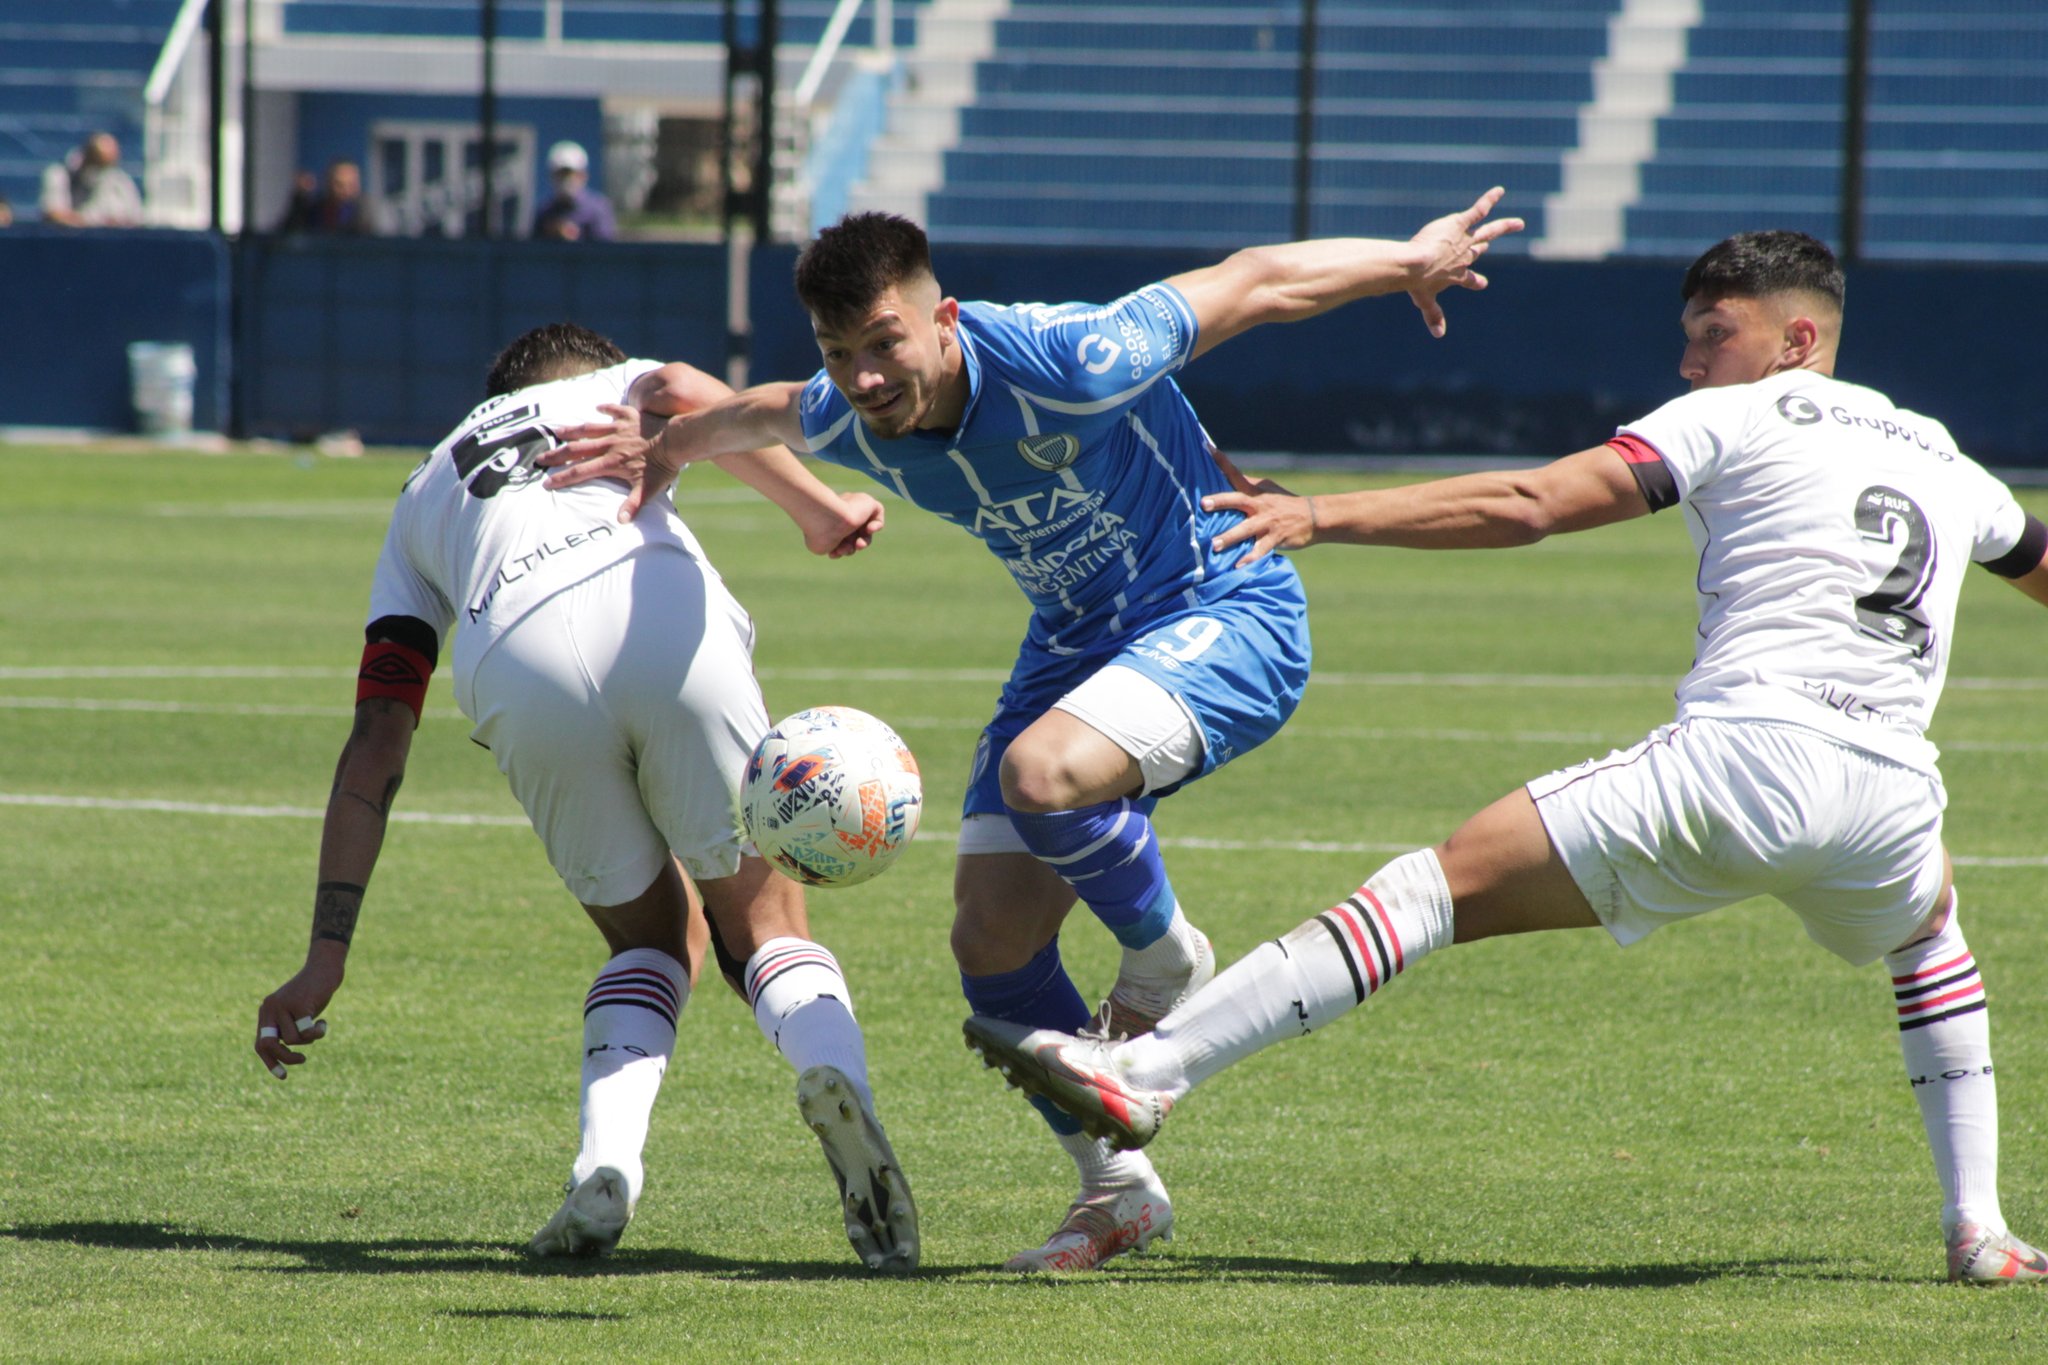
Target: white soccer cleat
x: 874, y: 1197
x: 1100, y: 1226
x: 1977, y: 1255
x: 590, y: 1220
x: 1136, y: 1004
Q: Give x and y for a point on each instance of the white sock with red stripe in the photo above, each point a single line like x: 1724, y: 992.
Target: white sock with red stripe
x: 1297, y: 983
x: 1945, y: 1034
x: 802, y: 1004
x: 629, y: 1030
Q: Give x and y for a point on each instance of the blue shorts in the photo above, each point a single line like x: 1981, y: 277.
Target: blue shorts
x: 1238, y: 665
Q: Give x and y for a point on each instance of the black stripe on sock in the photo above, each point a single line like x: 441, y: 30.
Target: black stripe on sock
x: 1379, y: 941
x: 1937, y: 1018
x: 647, y: 1005
x: 1344, y: 950
x: 1902, y: 996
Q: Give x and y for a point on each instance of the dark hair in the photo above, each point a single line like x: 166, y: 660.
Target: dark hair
x: 555, y: 351
x: 1753, y: 264
x: 857, y: 259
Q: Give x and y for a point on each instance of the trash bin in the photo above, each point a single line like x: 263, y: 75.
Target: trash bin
x: 161, y: 377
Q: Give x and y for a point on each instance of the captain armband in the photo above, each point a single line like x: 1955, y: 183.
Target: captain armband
x: 1653, y: 476
x: 2023, y: 558
x: 394, y: 670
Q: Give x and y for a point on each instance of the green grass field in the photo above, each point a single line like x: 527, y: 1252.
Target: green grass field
x: 1544, y: 1149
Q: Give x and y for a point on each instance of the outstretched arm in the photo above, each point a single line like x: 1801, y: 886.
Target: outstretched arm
x: 1297, y: 280
x: 1469, y: 512
x: 762, y: 416
x: 366, y: 782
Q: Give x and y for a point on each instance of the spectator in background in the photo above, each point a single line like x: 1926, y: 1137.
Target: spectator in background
x: 577, y: 213
x: 335, y: 209
x: 89, y: 189
x: 6, y: 212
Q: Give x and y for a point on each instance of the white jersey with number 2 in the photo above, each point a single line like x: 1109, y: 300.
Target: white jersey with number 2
x: 1833, y: 529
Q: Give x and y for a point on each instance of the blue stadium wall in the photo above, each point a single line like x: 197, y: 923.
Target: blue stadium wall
x: 391, y: 337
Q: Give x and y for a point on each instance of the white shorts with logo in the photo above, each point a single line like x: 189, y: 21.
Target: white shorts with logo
x: 1705, y: 813
x: 623, y: 710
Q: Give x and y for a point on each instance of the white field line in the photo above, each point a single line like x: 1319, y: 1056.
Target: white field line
x: 147, y: 806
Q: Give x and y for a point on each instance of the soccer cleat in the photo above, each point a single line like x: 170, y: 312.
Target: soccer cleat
x: 1099, y: 1226
x: 1074, y: 1073
x: 1976, y: 1255
x: 881, y: 1221
x: 1136, y: 1004
x: 590, y: 1219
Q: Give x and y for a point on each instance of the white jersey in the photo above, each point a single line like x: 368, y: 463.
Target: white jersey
x: 1833, y: 529
x: 477, y: 540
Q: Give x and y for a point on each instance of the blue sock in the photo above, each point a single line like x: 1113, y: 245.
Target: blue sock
x: 1108, y: 854
x: 1041, y: 994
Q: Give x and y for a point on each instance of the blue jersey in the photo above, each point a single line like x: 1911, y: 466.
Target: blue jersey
x: 1078, y: 462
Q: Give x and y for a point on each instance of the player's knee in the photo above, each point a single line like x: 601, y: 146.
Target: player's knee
x: 1034, y: 780
x: 989, y: 936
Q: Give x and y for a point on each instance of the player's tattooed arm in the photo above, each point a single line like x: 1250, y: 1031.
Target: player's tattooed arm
x: 335, y: 908
x: 366, y: 783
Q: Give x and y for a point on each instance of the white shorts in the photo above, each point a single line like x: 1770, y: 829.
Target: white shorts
x: 1142, y: 718
x: 623, y: 710
x: 1705, y: 813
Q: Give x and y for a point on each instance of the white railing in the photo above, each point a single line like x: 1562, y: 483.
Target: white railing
x: 177, y: 167
x: 800, y: 122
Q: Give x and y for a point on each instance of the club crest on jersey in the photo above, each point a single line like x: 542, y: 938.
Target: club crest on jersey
x: 1055, y: 451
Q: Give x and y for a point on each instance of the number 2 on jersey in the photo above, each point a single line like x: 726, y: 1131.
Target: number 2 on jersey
x: 1891, y: 611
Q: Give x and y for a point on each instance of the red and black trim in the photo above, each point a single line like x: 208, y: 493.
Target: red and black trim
x: 1366, y: 940
x: 397, y: 662
x: 1939, y: 992
x: 639, y: 988
x: 1653, y: 476
x: 2023, y: 558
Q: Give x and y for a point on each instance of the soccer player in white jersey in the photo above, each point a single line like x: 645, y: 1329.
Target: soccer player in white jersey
x: 610, y: 673
x: 1055, y: 434
x: 1834, y: 529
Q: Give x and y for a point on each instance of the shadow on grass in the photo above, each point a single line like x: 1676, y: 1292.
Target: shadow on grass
x: 1421, y: 1273
x: 423, y: 1256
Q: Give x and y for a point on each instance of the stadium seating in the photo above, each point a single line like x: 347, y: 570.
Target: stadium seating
x: 1956, y: 163
x: 1174, y: 122
x: 67, y: 68
x: 1157, y: 123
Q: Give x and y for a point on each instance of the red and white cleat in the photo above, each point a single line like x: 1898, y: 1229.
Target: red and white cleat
x: 1976, y: 1255
x: 1099, y: 1227
x: 1074, y: 1073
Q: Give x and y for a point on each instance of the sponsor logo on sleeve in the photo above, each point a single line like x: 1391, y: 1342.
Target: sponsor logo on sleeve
x: 1799, y: 410
x: 1097, y: 353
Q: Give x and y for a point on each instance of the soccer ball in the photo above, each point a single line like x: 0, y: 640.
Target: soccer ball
x: 831, y: 796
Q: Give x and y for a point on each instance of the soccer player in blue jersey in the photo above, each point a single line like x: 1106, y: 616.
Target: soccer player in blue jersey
x: 1057, y: 436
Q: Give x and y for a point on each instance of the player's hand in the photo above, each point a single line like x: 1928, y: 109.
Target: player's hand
x: 612, y: 449
x: 289, y: 1016
x: 1446, y: 250
x: 1272, y: 521
x: 860, y: 521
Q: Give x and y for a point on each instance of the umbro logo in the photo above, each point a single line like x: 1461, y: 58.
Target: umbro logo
x: 1056, y: 451
x: 391, y: 670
